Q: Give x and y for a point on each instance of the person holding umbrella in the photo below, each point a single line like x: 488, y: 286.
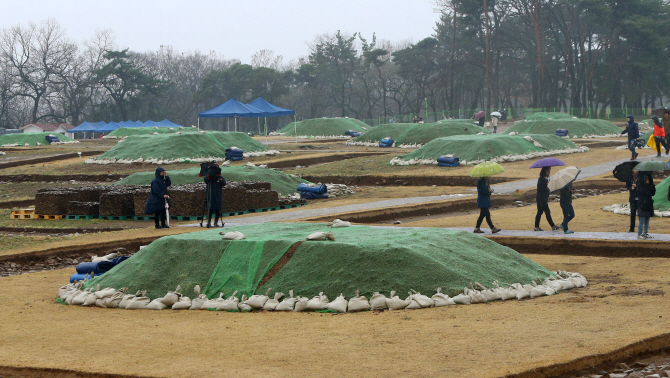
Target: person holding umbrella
x: 633, y: 134
x: 659, y: 136
x: 156, y: 201
x: 483, y: 171
x: 645, y: 190
x: 632, y: 198
x: 494, y: 121
x: 542, y: 196
x: 562, y: 181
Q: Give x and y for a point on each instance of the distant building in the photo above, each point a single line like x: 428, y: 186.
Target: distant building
x: 60, y: 128
x: 9, y: 131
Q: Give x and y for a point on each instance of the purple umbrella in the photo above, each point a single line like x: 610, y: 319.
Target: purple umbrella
x: 480, y: 114
x: 547, y: 162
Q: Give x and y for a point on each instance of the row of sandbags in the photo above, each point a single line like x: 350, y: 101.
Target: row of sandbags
x: 499, y: 159
x: 624, y: 209
x: 72, y: 294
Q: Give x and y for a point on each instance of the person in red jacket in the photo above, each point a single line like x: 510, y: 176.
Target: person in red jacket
x: 659, y: 136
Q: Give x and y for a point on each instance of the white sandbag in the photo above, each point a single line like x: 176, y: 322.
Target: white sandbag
x: 156, y: 304
x: 378, y: 301
x: 232, y: 235
x: 89, y: 300
x: 395, y: 303
x: 519, y: 291
x: 184, y: 304
x: 552, y: 283
x: 338, y: 305
x: 413, y: 305
x: 258, y: 301
x: 441, y: 299
x: 127, y: 297
x: 462, y: 299
x: 359, y: 303
x: 287, y: 304
x: 319, y: 302
x: 230, y: 303
x: 566, y: 284
x: 171, y: 297
x: 108, y: 292
x: 104, y: 258
x: 272, y: 303
x: 115, y: 299
x: 321, y: 236
x: 64, y: 291
x: 423, y: 300
x: 98, y: 303
x: 340, y: 223
x: 213, y: 303
x: 476, y: 296
x: 301, y: 304
x: 243, y: 305
x: 197, y: 303
x: 79, y: 299
x: 138, y: 302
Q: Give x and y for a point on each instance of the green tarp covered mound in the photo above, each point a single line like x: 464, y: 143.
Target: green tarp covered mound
x: 131, y: 131
x: 417, y: 133
x: 577, y: 127
x: 324, y: 127
x: 361, y: 258
x: 543, y: 116
x: 31, y: 139
x: 173, y: 148
x: 473, y: 149
x: 281, y: 182
x: 661, y: 197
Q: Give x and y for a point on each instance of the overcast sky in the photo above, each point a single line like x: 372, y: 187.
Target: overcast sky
x: 234, y: 29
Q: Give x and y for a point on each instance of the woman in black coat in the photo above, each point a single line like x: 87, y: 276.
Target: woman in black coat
x: 215, y: 183
x: 542, y: 199
x: 645, y: 203
x: 156, y: 202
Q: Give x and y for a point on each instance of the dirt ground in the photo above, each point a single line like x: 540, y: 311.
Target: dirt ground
x: 623, y: 303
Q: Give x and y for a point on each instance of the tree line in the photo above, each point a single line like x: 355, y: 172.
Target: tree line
x: 586, y: 56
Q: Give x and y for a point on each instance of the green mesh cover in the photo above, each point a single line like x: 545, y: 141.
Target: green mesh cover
x: 416, y: 133
x: 543, y: 116
x: 131, y: 131
x: 661, y: 197
x: 30, y: 138
x: 576, y: 127
x: 281, y: 182
x: 477, y: 147
x: 361, y: 258
x: 324, y: 127
x: 181, y: 146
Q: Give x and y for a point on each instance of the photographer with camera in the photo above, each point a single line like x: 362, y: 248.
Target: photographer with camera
x: 156, y: 202
x: 215, y: 183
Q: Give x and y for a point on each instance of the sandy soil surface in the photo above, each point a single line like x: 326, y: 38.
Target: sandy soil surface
x: 624, y: 303
x: 589, y: 216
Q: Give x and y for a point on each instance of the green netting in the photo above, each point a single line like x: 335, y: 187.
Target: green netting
x: 32, y: 139
x: 486, y: 147
x: 324, y: 127
x: 579, y: 127
x: 181, y: 146
x: 281, y: 182
x: 131, y: 131
x: 543, y: 116
x: 417, y: 133
x: 661, y: 197
x: 361, y: 258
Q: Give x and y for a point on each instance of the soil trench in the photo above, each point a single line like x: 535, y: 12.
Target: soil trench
x: 45, y: 159
x: 61, y: 178
x: 29, y: 372
x: 373, y: 180
x: 17, y: 204
x: 318, y: 160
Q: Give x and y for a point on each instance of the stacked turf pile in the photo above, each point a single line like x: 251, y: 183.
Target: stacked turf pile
x: 279, y: 181
x: 32, y: 139
x: 360, y: 258
x: 475, y: 149
x: 412, y: 135
x: 176, y: 148
x: 548, y: 123
x: 132, y: 131
x: 324, y: 127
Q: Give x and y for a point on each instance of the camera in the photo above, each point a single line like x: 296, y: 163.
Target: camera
x: 211, y: 169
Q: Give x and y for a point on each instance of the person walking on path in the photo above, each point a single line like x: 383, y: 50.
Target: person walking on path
x: 666, y: 129
x: 484, y: 203
x: 645, y: 206
x: 215, y: 183
x: 659, y: 136
x: 542, y: 199
x: 633, y: 134
x: 632, y: 198
x: 494, y: 123
x: 156, y: 201
x: 566, y: 206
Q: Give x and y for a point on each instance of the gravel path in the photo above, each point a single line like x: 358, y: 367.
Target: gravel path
x: 576, y: 235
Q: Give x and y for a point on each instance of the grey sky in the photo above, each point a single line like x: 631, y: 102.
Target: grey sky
x: 234, y: 29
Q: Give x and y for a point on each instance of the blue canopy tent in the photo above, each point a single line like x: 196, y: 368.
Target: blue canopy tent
x: 168, y: 123
x: 231, y: 108
x: 109, y: 127
x: 270, y: 111
x: 83, y: 127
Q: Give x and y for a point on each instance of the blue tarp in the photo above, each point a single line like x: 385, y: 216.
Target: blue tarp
x: 232, y: 108
x: 86, y: 126
x: 109, y: 127
x: 269, y: 109
x: 168, y: 123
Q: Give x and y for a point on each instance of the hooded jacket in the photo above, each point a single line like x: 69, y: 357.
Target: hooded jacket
x: 632, y: 129
x: 156, y: 201
x: 666, y: 125
x: 658, y: 127
x: 645, y: 194
x: 483, y: 194
x: 216, y: 185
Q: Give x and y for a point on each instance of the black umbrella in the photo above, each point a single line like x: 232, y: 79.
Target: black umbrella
x: 622, y: 171
x: 658, y: 112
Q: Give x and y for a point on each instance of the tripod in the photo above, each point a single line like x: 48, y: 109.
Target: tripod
x: 207, y: 212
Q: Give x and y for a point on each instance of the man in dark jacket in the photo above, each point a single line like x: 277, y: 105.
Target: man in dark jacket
x: 632, y: 198
x: 566, y: 206
x: 156, y: 202
x: 666, y: 127
x: 645, y: 203
x: 215, y: 183
x: 633, y: 134
x: 542, y: 198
